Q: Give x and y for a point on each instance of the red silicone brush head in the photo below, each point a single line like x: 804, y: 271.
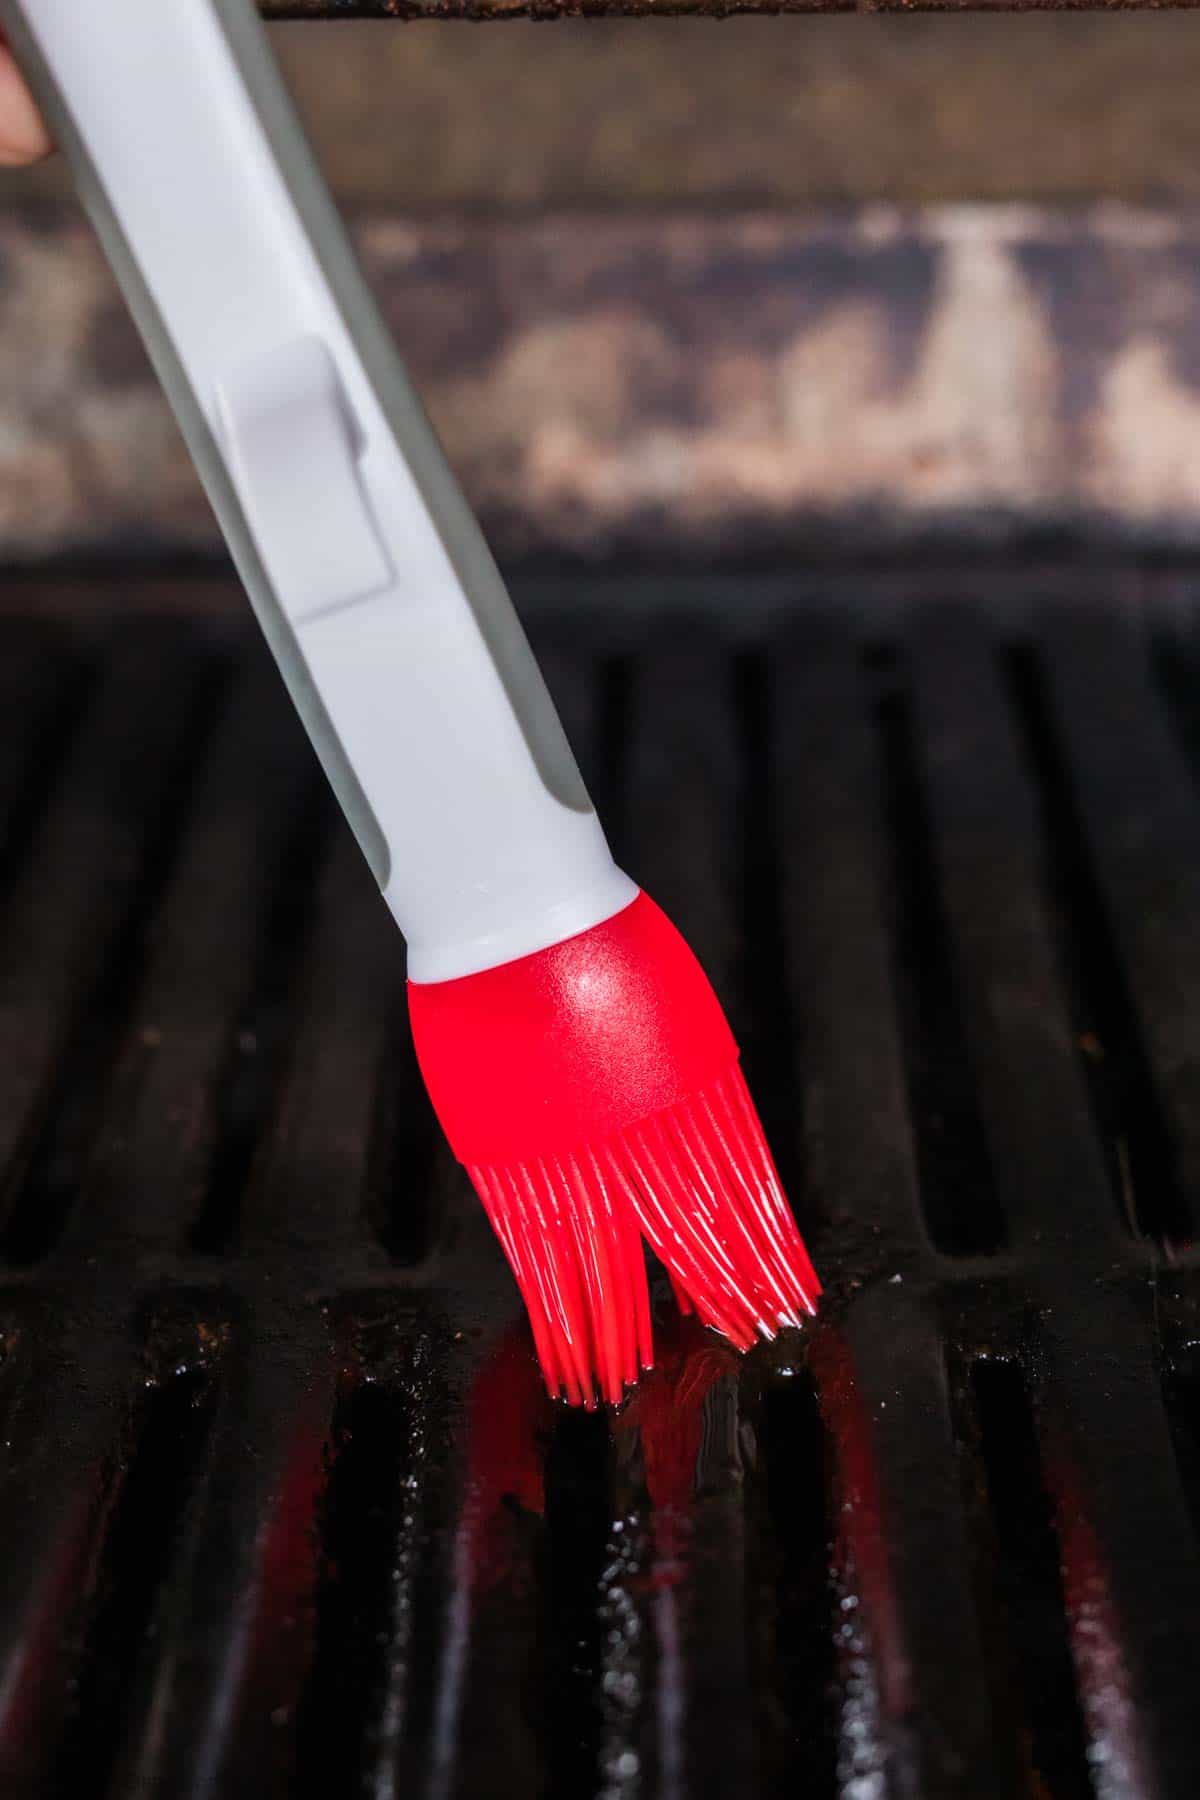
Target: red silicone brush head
x: 593, y: 1092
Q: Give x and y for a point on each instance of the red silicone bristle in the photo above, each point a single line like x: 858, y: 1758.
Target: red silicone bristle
x: 681, y: 1297
x: 698, y: 1181
x: 593, y: 1092
x: 707, y: 1196
x: 581, y: 1271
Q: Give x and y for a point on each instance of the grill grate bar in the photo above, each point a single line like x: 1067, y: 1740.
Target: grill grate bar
x: 680, y: 800
x: 861, y: 1179
x: 797, y: 1616
x: 386, y: 1563
x: 1020, y: 1583
x: 310, y: 1188
x: 62, y: 1452
x: 354, y: 1713
x: 1125, y: 1541
x: 910, y: 1550
x: 958, y: 1198
x: 1049, y: 1174
x: 163, y: 1124
x: 74, y: 927
x: 41, y: 689
x: 241, y: 1593
x: 1137, y: 810
x: 490, y: 1701
x: 683, y: 1580
x: 766, y: 1027
x: 139, y: 1541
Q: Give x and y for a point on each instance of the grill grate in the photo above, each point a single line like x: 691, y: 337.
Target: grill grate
x: 283, y: 1509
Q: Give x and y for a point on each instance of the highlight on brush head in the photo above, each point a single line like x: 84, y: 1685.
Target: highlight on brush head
x: 593, y: 1092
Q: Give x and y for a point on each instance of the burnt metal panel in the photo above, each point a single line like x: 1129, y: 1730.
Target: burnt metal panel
x: 688, y: 384
x: 712, y: 9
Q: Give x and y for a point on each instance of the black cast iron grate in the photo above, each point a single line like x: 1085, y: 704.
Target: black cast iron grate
x: 282, y: 1511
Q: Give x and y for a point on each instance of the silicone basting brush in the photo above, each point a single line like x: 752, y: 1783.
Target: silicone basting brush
x: 576, y: 1055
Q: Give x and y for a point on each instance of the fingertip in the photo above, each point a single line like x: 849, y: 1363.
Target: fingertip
x: 23, y: 135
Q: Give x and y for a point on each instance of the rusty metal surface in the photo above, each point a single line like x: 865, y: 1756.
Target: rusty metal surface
x: 683, y: 386
x: 621, y: 113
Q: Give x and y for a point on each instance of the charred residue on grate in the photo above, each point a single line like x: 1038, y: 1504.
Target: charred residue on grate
x: 1125, y: 1104
x: 958, y: 1197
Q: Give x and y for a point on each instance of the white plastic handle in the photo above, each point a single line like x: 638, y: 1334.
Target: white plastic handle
x: 370, y: 578
x: 295, y: 446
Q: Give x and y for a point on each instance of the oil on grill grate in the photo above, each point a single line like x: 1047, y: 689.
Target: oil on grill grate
x: 283, y: 1510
